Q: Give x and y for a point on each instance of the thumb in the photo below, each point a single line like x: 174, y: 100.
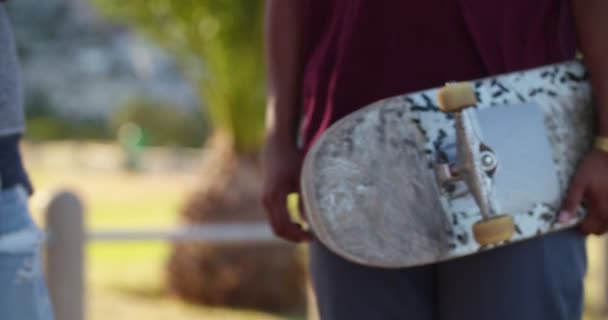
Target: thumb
x: 572, y: 201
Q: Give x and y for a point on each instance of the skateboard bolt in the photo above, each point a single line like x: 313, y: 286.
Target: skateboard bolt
x: 488, y: 160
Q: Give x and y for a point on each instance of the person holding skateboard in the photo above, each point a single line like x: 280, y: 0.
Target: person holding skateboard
x: 326, y: 58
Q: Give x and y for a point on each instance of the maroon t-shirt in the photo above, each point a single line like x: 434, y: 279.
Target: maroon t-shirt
x: 360, y: 51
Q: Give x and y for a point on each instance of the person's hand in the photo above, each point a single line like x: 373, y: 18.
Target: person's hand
x: 590, y: 183
x: 282, y: 164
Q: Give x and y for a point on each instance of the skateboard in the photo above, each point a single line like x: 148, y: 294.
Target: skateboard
x: 452, y: 171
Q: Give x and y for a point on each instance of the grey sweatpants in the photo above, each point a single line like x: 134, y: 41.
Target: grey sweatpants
x: 539, y: 279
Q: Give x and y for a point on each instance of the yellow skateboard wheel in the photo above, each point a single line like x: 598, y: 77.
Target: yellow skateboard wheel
x: 293, y: 206
x: 494, y: 230
x: 456, y: 96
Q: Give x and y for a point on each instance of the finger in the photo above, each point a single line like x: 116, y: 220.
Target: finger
x: 271, y: 210
x: 591, y: 226
x: 290, y: 230
x: 593, y: 223
x: 275, y: 201
x: 598, y: 210
x: 572, y: 201
x: 283, y: 226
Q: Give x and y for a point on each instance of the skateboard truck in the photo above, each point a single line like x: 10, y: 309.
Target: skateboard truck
x: 447, y: 174
x: 476, y: 163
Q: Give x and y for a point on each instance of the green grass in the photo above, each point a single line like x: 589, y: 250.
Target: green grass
x: 126, y: 280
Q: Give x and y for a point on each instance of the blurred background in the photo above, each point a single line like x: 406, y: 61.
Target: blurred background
x: 151, y: 111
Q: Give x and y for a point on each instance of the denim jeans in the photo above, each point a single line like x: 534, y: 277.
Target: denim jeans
x: 537, y: 279
x: 23, y: 292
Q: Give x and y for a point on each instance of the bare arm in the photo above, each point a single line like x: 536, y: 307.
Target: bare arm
x: 591, y: 179
x: 591, y: 19
x: 284, y: 68
x: 282, y: 158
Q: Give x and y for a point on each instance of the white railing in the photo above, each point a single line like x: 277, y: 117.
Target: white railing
x: 66, y: 239
x: 67, y: 236
x: 216, y: 232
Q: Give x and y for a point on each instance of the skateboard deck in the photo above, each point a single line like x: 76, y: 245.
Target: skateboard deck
x: 402, y: 183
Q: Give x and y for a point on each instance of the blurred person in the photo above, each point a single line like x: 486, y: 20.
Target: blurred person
x: 326, y: 58
x: 23, y: 292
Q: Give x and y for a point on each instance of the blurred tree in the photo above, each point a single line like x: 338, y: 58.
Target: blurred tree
x: 161, y: 122
x: 218, y: 45
x: 44, y: 122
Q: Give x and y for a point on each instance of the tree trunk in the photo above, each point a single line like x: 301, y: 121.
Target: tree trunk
x: 269, y: 277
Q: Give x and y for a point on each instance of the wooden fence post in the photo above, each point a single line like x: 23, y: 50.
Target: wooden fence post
x: 65, y: 255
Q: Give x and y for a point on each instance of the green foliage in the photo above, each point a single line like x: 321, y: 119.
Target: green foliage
x: 218, y: 44
x: 161, y: 123
x: 45, y: 123
x: 60, y: 128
